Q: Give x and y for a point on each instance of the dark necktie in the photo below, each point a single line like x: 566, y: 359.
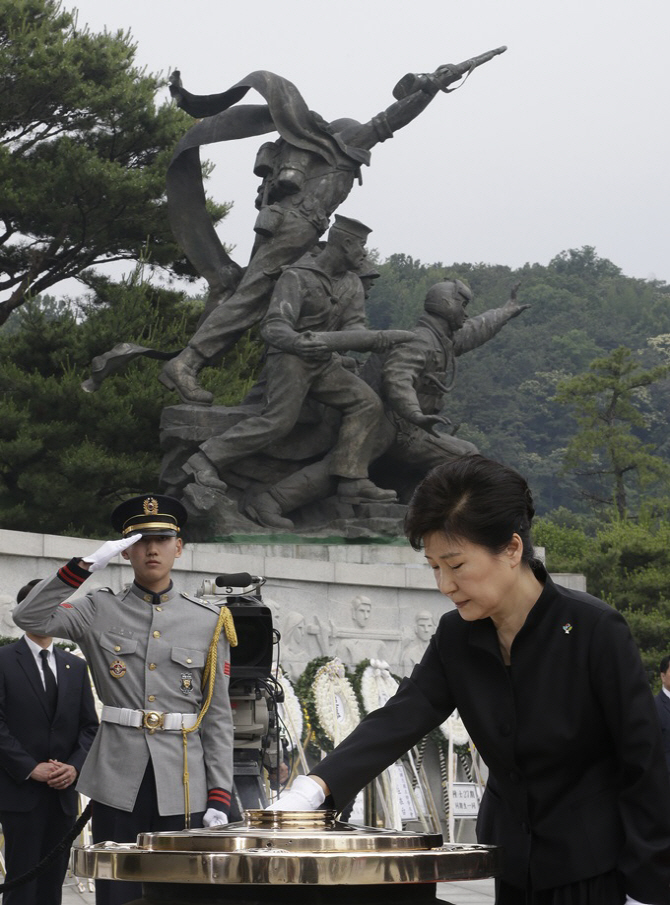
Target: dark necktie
x: 50, y: 682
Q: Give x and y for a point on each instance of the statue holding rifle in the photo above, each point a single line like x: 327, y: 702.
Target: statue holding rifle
x: 306, y: 174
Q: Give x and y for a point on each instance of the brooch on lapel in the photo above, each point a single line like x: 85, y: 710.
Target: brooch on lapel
x: 567, y: 628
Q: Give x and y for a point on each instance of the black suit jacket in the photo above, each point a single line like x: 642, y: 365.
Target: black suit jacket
x: 578, y: 784
x: 29, y: 737
x: 663, y: 708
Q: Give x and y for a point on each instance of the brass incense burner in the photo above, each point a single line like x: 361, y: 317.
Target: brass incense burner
x: 288, y: 856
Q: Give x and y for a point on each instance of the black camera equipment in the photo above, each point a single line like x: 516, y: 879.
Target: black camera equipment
x: 254, y: 693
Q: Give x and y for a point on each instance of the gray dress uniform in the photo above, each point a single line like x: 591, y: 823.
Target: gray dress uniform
x: 146, y: 653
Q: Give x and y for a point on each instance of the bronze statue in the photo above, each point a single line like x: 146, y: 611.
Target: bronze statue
x: 319, y: 435
x: 306, y: 174
x: 413, y: 380
x: 316, y: 308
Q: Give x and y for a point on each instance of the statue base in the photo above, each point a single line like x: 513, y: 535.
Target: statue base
x: 294, y: 469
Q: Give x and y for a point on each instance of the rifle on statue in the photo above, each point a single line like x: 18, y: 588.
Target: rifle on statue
x: 443, y: 76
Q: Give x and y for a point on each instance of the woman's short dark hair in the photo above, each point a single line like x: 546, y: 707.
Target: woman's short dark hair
x: 473, y: 498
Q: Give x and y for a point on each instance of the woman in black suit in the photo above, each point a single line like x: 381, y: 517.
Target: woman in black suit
x: 551, y: 688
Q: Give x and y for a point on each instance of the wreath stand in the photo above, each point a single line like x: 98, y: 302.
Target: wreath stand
x: 461, y: 799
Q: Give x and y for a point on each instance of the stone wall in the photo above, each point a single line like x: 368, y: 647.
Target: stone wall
x: 367, y: 601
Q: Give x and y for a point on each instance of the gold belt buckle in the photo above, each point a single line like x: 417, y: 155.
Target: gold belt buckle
x: 153, y: 720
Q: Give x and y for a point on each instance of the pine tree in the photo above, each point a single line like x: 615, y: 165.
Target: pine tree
x: 83, y: 153
x: 608, y: 451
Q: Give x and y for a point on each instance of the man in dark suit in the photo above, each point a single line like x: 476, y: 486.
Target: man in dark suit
x: 47, y: 724
x: 663, y: 706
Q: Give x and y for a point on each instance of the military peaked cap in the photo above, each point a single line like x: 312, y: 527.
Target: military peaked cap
x: 150, y: 513
x: 351, y: 227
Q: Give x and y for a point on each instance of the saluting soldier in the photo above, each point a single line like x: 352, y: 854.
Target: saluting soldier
x: 160, y: 661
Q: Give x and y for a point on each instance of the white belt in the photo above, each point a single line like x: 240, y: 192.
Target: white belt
x: 147, y: 719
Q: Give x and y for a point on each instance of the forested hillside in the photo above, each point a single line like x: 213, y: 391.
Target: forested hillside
x: 583, y: 308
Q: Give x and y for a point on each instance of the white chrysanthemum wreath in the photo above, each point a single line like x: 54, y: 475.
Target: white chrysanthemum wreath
x: 335, y: 701
x: 377, y: 685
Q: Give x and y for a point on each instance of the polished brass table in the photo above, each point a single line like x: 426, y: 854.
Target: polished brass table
x: 275, y: 857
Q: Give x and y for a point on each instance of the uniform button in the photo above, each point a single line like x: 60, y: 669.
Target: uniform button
x: 152, y: 697
x: 159, y: 609
x: 157, y: 634
x: 164, y: 598
x: 188, y: 660
x: 152, y: 666
x: 117, y: 648
x: 148, y: 598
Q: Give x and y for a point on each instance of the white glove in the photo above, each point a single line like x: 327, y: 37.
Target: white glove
x: 630, y: 901
x: 304, y: 795
x: 108, y: 551
x: 212, y: 817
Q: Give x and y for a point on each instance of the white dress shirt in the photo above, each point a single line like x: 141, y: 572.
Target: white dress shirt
x: 35, y: 650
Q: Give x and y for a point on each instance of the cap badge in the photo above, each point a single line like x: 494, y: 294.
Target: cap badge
x: 150, y: 506
x: 567, y: 628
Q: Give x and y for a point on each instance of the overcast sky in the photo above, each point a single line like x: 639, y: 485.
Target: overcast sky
x: 560, y: 142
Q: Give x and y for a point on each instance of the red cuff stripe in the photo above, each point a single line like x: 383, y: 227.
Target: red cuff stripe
x: 219, y: 795
x: 65, y: 575
x: 226, y: 668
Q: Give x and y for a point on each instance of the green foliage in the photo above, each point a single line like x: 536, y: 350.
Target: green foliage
x: 564, y: 545
x: 83, y: 153
x: 629, y: 566
x: 625, y: 563
x: 607, y: 448
x: 652, y: 635
x: 584, y: 263
x: 66, y: 456
x: 64, y: 645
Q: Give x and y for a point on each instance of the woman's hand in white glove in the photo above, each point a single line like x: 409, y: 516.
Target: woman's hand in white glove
x: 111, y: 548
x: 304, y: 795
x: 212, y: 817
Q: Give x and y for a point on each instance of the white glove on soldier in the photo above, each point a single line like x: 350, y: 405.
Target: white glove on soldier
x: 630, y: 901
x: 212, y: 817
x: 304, y: 795
x: 110, y: 549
